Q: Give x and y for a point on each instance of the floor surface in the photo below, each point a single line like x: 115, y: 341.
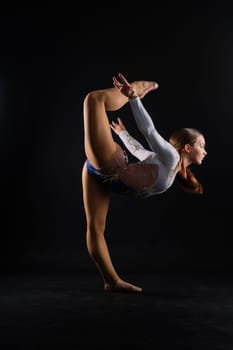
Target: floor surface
x: 70, y: 310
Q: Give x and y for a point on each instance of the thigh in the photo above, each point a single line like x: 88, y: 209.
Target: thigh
x: 98, y: 141
x: 96, y: 201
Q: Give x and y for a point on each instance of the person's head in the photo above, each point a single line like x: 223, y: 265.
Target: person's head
x: 190, y: 144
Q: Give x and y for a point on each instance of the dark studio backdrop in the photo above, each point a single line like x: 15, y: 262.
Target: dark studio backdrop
x: 49, y: 60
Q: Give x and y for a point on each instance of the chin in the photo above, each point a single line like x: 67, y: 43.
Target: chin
x: 198, y: 162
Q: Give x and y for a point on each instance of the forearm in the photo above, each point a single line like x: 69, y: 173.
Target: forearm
x: 133, y: 146
x: 164, y: 150
x: 144, y: 121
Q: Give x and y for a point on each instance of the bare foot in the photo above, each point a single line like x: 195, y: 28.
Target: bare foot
x: 137, y: 88
x: 122, y: 286
x: 142, y: 87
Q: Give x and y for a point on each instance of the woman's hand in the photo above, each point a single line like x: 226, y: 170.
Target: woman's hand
x: 124, y: 86
x: 118, y: 126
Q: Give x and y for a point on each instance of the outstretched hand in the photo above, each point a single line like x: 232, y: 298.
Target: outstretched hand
x: 124, y: 86
x: 118, y: 126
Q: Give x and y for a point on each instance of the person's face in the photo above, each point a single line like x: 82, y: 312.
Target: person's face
x: 197, y: 151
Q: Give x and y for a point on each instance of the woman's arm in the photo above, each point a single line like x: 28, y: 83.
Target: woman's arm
x: 133, y: 146
x: 166, y: 153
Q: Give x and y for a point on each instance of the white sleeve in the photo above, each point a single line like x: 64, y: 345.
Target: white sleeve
x: 166, y: 153
x: 134, y: 147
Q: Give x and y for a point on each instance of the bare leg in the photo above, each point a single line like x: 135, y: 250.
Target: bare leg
x: 96, y: 204
x: 99, y: 144
x: 100, y: 148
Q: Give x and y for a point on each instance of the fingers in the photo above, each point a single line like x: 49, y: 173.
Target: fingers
x: 114, y: 125
x: 117, y: 126
x: 118, y: 84
x: 120, y: 121
x: 124, y: 80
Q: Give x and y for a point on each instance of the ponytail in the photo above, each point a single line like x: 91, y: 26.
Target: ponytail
x: 188, y: 181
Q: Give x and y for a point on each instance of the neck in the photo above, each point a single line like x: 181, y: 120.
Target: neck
x: 183, y: 163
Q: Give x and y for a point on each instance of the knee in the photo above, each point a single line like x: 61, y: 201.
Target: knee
x: 95, y: 230
x: 90, y: 96
x: 93, y: 97
x: 94, y: 238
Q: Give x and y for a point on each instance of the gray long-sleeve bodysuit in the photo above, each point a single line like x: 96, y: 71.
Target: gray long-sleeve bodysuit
x: 161, y: 151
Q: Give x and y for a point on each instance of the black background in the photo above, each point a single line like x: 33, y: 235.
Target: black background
x: 49, y: 59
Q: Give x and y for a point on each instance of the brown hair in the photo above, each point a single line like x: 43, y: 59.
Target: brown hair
x: 179, y: 138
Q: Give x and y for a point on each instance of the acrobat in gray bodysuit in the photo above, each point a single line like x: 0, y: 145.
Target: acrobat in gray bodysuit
x: 156, y: 170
